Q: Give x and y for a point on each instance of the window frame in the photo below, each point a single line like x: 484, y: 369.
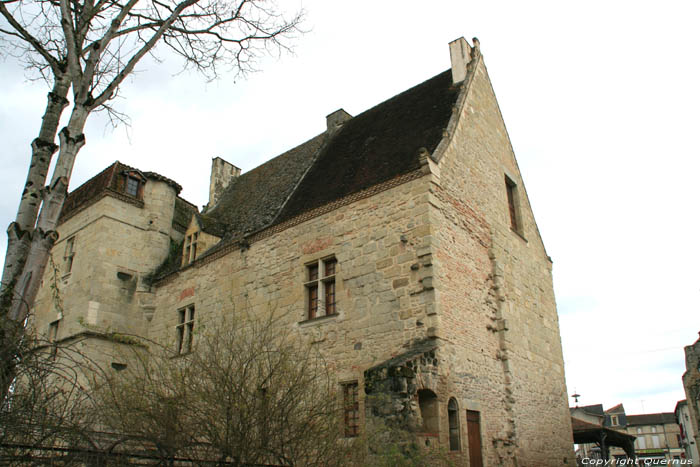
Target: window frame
x: 189, y: 252
x: 52, y: 335
x: 351, y: 409
x: 131, y: 177
x: 131, y: 186
x: 454, y: 429
x: 514, y: 207
x: 320, y: 289
x: 184, y: 329
x: 69, y: 254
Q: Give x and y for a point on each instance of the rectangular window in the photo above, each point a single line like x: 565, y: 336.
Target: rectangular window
x: 351, y: 410
x: 320, y: 289
x: 69, y: 254
x: 513, y: 205
x: 185, y: 330
x: 641, y: 443
x: 53, y: 337
x: 132, y: 186
x: 190, y: 252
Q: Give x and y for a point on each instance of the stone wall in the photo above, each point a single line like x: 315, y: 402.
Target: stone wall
x: 116, y: 245
x: 495, y: 295
x: 385, y: 300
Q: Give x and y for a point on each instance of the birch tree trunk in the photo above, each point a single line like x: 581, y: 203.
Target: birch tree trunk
x: 19, y: 232
x: 71, y: 140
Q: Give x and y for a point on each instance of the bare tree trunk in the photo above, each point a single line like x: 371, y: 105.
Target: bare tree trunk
x: 19, y: 232
x: 45, y: 235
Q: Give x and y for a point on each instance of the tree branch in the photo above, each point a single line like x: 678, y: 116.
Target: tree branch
x: 111, y: 88
x: 23, y: 34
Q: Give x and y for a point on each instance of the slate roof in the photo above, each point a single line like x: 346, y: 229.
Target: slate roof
x: 182, y: 214
x: 375, y: 146
x: 651, y: 419
x: 617, y: 409
x: 596, y: 409
x: 252, y: 200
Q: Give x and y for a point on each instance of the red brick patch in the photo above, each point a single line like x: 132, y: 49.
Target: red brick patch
x: 316, y: 245
x: 188, y: 292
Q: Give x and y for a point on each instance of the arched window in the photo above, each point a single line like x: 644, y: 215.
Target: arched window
x: 453, y: 419
x: 428, y: 403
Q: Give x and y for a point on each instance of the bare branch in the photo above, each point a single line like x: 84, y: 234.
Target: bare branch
x: 23, y: 34
x: 128, y: 68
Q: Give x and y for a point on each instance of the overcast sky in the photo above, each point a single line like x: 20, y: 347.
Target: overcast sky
x: 601, y: 103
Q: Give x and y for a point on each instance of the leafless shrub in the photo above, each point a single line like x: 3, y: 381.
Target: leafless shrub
x: 249, y: 392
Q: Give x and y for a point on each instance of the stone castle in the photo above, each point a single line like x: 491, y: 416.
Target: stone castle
x: 401, y: 241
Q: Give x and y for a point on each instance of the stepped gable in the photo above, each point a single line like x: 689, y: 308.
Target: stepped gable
x: 253, y: 199
x: 377, y: 145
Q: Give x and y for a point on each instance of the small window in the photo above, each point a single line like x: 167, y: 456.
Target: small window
x: 132, y: 186
x: 513, y: 205
x: 53, y: 337
x: 453, y: 419
x: 185, y: 330
x: 351, y: 410
x: 69, y: 254
x: 613, y: 420
x: 190, y: 251
x: 132, y: 183
x: 320, y: 288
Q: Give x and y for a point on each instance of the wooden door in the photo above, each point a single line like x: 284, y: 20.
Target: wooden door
x: 474, y: 438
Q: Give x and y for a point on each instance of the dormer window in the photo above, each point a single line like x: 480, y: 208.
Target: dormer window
x: 133, y: 184
x: 190, y: 251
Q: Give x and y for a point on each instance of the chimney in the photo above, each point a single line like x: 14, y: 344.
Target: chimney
x: 222, y: 173
x: 335, y: 120
x: 460, y: 56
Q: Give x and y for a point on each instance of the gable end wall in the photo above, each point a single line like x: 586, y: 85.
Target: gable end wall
x: 496, y: 296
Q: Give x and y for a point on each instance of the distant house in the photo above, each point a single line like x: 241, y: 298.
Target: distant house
x: 598, y: 432
x: 658, y: 435
x: 400, y: 242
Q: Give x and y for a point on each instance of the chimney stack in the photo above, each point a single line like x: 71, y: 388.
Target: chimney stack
x: 460, y: 56
x: 335, y: 120
x: 222, y: 173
